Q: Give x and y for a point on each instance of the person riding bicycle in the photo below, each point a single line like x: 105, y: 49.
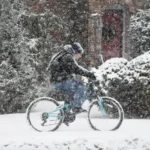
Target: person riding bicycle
x: 63, y: 70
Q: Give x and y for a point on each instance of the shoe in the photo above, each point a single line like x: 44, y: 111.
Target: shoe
x: 66, y: 123
x: 79, y: 110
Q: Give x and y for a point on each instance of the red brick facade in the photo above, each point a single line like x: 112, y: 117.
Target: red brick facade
x: 88, y: 27
x: 99, y: 10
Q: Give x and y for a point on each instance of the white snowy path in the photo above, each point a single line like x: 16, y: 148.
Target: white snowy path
x: 16, y: 134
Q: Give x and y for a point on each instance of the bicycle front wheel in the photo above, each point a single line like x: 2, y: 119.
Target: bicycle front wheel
x: 44, y: 114
x: 105, y: 114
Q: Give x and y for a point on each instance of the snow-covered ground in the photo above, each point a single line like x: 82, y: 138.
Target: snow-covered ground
x: 16, y: 134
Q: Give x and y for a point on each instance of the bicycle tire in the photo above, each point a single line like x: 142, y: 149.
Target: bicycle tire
x: 34, y: 104
x: 111, y: 103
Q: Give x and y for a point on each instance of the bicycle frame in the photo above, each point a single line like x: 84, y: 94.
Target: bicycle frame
x: 67, y: 106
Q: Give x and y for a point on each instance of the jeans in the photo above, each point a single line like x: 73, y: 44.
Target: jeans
x: 75, y: 89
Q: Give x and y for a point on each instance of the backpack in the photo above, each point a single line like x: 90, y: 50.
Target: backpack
x: 54, y: 63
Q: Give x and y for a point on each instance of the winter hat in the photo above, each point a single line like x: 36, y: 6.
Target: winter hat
x: 77, y: 48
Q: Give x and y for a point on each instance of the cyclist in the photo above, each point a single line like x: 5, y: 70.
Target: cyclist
x: 63, y: 70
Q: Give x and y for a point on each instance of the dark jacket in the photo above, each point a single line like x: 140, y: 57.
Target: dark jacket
x: 63, y: 66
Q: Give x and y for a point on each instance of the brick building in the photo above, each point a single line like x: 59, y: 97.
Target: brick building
x: 108, y: 27
x: 100, y: 25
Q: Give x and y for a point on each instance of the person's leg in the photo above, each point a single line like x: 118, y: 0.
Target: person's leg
x: 67, y: 89
x: 79, y: 92
x: 75, y: 89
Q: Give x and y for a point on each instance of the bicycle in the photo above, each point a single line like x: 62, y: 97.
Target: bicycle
x: 104, y: 113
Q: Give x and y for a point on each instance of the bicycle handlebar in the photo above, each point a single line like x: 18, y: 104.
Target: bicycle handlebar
x: 92, y: 83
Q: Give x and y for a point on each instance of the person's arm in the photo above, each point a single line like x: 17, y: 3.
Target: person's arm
x: 72, y: 66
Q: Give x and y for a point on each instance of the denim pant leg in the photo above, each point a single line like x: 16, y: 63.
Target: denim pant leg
x: 65, y: 87
x: 75, y: 89
x: 79, y: 93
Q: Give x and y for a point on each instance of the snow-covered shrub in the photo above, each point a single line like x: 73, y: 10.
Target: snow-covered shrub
x: 140, y: 33
x: 108, y: 75
x: 129, y: 83
x: 27, y: 41
x: 30, y: 33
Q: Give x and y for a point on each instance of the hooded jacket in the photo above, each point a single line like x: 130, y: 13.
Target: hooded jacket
x: 63, y: 66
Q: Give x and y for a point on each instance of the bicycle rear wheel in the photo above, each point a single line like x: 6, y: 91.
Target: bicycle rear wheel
x: 43, y: 114
x: 105, y: 114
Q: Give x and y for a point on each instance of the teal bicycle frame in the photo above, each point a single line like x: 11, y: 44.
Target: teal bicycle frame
x: 68, y: 106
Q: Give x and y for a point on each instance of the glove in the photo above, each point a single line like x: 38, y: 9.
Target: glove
x: 92, y: 76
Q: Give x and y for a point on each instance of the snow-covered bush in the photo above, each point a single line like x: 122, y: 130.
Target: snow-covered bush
x: 140, y: 33
x: 27, y: 41
x: 30, y: 33
x: 108, y: 75
x: 128, y: 82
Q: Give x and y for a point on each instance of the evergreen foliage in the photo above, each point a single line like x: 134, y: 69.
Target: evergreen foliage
x: 140, y: 33
x: 27, y: 42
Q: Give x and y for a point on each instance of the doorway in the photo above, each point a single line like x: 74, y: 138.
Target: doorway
x: 112, y: 34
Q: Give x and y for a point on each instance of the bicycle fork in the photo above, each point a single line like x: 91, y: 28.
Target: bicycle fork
x: 101, y: 105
